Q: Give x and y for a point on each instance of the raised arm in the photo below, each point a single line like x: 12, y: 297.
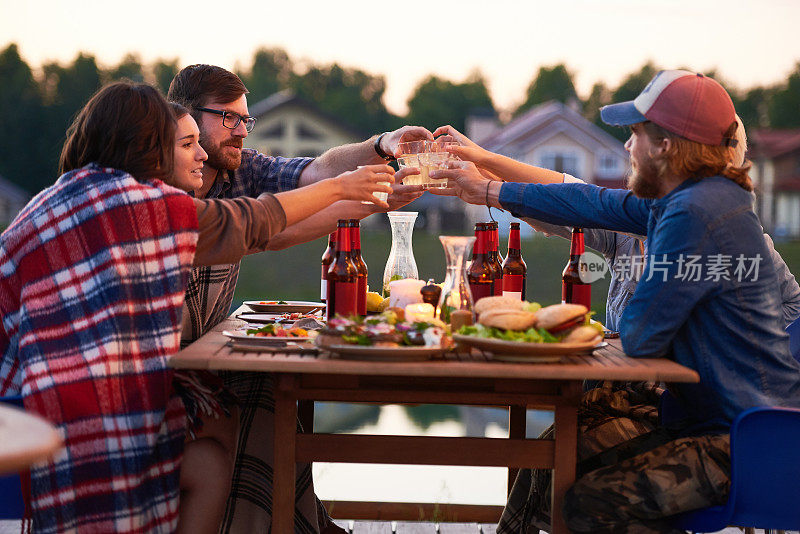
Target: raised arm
x: 584, y: 205
x: 343, y: 158
x: 504, y: 167
x: 324, y: 222
x: 231, y: 228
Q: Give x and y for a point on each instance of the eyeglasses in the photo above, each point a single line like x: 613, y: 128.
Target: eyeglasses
x: 231, y: 120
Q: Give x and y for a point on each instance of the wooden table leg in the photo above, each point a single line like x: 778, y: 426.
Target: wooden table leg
x: 283, y: 486
x: 566, y: 454
x: 516, y: 430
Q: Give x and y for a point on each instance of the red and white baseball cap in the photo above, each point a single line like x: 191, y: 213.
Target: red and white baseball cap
x: 687, y: 104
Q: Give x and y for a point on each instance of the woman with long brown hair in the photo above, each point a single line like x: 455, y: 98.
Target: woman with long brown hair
x: 91, y: 288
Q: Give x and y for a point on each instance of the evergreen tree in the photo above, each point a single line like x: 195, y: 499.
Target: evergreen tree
x: 550, y: 83
x: 21, y: 122
x: 436, y: 102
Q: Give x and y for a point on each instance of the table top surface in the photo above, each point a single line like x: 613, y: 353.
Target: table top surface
x: 214, y: 352
x: 24, y: 439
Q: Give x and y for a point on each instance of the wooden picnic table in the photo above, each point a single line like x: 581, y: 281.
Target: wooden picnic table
x: 24, y: 439
x: 468, y: 378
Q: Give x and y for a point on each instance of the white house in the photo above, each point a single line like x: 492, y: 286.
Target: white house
x: 554, y: 136
x: 291, y: 126
x: 776, y: 176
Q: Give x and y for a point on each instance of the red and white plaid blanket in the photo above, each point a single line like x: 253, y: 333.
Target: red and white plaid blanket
x: 92, y: 277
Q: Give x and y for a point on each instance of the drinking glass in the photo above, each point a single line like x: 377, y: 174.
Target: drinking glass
x: 412, y: 160
x: 434, y: 161
x: 380, y: 195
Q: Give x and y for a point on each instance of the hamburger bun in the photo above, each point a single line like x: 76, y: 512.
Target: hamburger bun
x: 497, y: 303
x: 552, y: 317
x: 508, y: 319
x: 583, y: 334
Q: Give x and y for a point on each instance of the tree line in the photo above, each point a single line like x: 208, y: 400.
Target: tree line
x: 37, y: 106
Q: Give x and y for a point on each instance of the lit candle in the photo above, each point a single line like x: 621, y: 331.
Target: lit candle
x: 405, y: 292
x: 420, y: 312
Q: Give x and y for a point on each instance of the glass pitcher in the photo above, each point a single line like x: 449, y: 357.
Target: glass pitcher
x: 455, y: 291
x: 401, y: 263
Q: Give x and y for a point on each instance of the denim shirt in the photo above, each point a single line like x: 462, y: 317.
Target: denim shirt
x: 727, y: 326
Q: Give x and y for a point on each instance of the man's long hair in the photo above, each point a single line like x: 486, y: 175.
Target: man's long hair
x: 689, y: 159
x: 126, y: 126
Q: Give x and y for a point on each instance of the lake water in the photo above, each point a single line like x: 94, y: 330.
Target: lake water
x: 417, y: 483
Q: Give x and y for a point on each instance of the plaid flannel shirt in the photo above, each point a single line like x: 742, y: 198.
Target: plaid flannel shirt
x: 92, y: 273
x: 209, y: 294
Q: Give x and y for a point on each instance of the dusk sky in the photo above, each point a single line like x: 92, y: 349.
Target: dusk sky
x: 748, y: 42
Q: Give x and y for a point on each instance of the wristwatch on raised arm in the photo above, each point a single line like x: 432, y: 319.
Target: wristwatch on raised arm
x: 379, y: 150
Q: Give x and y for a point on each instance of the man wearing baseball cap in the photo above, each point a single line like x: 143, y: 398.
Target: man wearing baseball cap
x: 706, y: 299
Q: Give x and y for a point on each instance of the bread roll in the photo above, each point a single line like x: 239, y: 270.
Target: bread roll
x: 552, y: 316
x: 508, y: 319
x: 497, y: 303
x: 582, y: 334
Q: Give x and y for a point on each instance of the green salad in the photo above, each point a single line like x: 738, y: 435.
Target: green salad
x: 531, y: 335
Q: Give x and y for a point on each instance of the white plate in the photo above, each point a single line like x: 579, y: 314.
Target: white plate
x: 263, y: 340
x: 267, y: 318
x: 301, y: 306
x: 518, y: 351
x: 393, y: 354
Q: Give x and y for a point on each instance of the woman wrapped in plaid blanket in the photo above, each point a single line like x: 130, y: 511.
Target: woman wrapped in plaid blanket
x: 92, y: 279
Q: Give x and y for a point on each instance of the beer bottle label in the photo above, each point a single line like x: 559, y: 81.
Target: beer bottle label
x: 512, y: 285
x: 497, y: 287
x: 480, y: 290
x: 577, y: 294
x: 345, y: 298
x: 362, y: 295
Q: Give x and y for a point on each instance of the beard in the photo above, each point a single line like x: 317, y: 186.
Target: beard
x: 217, y: 158
x: 645, y: 179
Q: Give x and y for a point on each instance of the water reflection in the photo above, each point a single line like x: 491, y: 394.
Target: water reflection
x: 397, y: 483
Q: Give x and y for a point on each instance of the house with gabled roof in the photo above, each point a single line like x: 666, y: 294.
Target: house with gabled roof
x: 289, y: 125
x: 554, y: 136
x: 776, y: 176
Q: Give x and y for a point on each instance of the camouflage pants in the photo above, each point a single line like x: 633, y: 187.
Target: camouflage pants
x: 617, y: 423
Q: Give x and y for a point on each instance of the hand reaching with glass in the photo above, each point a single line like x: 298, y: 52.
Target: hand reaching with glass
x: 402, y: 194
x: 391, y: 140
x: 466, y: 182
x: 365, y: 183
x: 495, y: 166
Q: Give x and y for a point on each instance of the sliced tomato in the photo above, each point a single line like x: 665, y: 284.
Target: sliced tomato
x: 569, y: 324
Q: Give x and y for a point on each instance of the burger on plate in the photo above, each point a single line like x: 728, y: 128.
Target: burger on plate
x: 568, y: 322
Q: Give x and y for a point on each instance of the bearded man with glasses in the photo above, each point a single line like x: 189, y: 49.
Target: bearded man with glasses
x: 216, y: 99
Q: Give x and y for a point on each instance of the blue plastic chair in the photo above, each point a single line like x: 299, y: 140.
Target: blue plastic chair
x: 765, y: 475
x: 11, y: 503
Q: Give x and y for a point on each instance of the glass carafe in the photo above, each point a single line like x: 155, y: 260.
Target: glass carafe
x: 455, y: 291
x: 401, y: 263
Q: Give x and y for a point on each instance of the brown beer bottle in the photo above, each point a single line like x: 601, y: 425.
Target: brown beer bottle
x: 342, y: 277
x: 480, y: 274
x: 361, y: 265
x: 327, y: 258
x: 573, y: 289
x: 494, y: 258
x: 515, y: 272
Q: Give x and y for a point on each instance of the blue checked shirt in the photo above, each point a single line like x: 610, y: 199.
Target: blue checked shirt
x: 209, y: 293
